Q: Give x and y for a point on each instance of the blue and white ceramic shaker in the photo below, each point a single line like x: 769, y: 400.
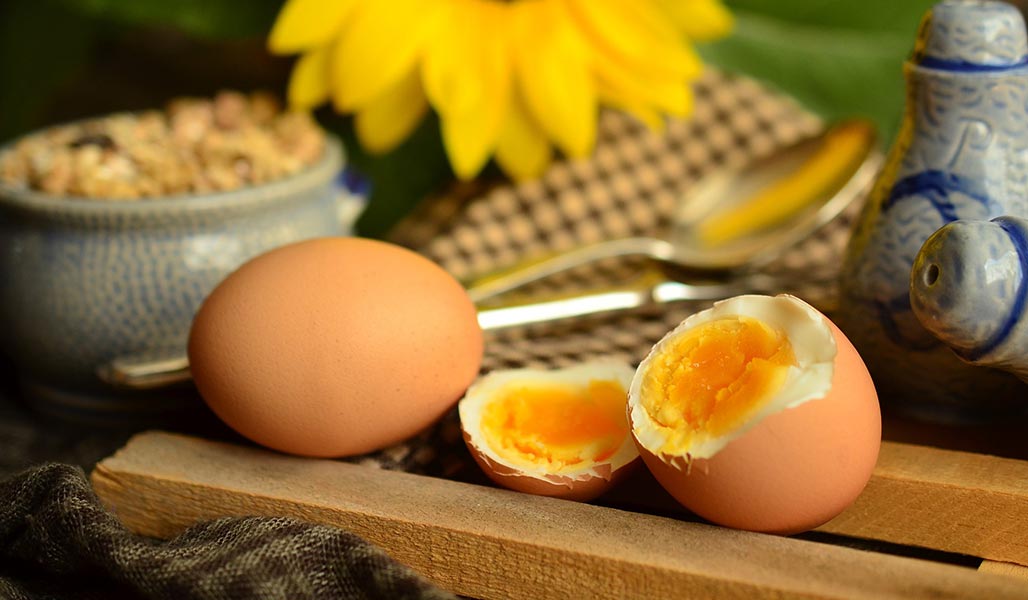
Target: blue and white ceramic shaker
x: 969, y: 287
x: 962, y: 153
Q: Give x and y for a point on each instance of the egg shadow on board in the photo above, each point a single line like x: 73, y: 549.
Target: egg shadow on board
x: 640, y: 492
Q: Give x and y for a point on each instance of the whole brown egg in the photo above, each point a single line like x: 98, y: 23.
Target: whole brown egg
x: 335, y: 346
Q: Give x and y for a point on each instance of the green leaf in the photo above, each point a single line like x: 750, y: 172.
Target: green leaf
x: 856, y: 15
x: 839, y: 59
x: 399, y: 179
x: 208, y: 18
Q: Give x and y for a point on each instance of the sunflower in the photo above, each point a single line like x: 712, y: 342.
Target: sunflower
x: 507, y: 78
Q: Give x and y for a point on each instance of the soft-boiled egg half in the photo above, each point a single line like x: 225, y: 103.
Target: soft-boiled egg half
x: 560, y: 433
x: 757, y: 414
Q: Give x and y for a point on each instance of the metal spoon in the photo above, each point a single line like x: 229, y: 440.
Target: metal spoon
x: 848, y: 150
x: 719, y: 224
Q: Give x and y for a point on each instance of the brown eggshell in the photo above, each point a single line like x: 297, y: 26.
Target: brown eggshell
x: 796, y: 469
x: 581, y: 489
x: 335, y: 346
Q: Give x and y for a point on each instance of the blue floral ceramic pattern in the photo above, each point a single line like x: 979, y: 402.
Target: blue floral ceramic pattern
x: 962, y: 153
x: 88, y: 281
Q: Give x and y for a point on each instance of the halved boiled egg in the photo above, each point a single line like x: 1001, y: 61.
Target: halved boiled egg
x: 757, y: 414
x: 560, y: 433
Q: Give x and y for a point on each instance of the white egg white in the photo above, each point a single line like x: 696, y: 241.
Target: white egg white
x: 487, y: 387
x: 811, y: 378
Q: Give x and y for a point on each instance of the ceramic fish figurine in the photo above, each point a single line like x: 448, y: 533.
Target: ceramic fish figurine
x: 969, y: 287
x: 962, y: 153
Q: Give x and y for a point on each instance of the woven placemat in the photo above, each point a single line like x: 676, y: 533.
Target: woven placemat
x: 630, y: 186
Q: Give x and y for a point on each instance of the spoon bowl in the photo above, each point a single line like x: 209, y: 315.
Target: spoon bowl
x: 735, y: 219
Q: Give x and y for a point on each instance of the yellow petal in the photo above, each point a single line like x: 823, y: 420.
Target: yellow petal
x: 699, y: 20
x: 380, y: 44
x: 449, y: 58
x: 670, y: 95
x: 308, y: 83
x: 387, y: 121
x: 305, y: 24
x: 637, y: 34
x: 553, y: 73
x: 636, y: 107
x: 467, y: 78
x: 523, y: 151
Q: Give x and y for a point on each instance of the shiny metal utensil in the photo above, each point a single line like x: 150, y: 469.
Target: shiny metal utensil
x: 736, y: 219
x: 650, y: 289
x: 145, y: 373
x: 723, y: 226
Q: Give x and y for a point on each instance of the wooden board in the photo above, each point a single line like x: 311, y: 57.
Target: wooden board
x: 1002, y: 568
x: 491, y: 543
x: 972, y: 504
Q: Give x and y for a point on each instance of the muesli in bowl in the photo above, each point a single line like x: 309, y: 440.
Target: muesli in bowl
x: 113, y: 230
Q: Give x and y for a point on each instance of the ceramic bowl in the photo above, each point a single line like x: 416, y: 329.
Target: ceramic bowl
x: 90, y: 281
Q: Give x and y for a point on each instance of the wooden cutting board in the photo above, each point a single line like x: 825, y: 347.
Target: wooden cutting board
x: 491, y: 543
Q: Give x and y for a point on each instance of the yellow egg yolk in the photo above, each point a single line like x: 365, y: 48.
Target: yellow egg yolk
x: 713, y: 378
x: 560, y: 426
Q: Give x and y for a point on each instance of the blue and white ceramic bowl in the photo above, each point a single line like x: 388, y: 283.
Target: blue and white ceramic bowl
x: 89, y: 281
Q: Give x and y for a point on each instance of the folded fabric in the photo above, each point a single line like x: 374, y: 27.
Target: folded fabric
x: 57, y: 541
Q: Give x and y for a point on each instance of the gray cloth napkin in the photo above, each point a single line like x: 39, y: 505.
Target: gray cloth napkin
x: 57, y: 541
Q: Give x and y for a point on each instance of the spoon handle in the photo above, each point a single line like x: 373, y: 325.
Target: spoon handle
x: 485, y: 288
x: 144, y: 373
x: 652, y: 289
